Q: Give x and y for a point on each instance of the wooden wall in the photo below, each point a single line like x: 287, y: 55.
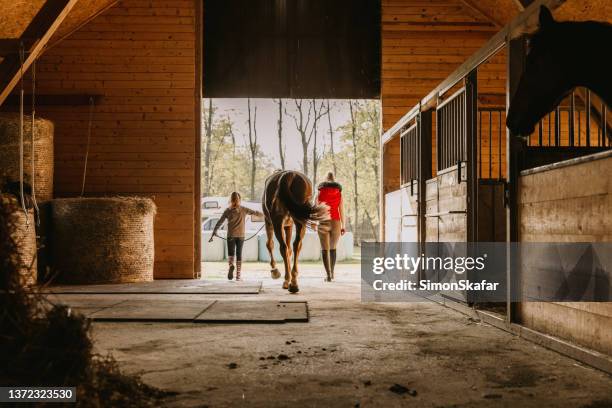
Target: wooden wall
x: 422, y: 43
x: 140, y: 55
x: 558, y: 206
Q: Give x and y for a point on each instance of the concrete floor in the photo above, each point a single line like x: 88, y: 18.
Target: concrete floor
x: 350, y: 354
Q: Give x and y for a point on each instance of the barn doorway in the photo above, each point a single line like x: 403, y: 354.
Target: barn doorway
x: 289, y: 84
x: 245, y: 140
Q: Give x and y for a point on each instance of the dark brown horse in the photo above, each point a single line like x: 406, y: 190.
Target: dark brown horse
x: 561, y: 56
x: 287, y: 202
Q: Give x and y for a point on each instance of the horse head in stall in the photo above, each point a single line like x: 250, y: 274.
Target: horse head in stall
x: 287, y: 202
x: 561, y: 56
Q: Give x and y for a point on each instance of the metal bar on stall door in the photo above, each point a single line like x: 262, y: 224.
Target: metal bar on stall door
x: 604, y: 124
x: 480, y: 143
x: 588, y: 118
x: 491, y: 141
x: 549, y: 127
x: 579, y: 128
x: 455, y: 135
x: 451, y: 128
x: 540, y: 134
x: 499, y: 142
x: 571, y: 118
x: 557, y: 127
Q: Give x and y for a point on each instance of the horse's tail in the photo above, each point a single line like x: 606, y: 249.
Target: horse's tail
x: 303, y: 212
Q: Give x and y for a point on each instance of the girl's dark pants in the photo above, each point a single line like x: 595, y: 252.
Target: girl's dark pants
x: 234, y: 247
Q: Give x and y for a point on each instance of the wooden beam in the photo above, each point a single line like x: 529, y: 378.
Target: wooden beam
x: 12, y: 101
x: 41, y: 28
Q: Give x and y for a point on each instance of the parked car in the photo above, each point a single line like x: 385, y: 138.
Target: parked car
x: 212, y: 214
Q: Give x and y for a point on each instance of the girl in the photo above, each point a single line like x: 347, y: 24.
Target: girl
x: 235, y: 215
x: 330, y: 193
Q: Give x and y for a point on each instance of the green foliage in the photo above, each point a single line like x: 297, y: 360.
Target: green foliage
x: 230, y: 164
x: 367, y: 135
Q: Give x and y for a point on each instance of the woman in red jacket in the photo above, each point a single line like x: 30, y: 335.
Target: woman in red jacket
x: 330, y: 193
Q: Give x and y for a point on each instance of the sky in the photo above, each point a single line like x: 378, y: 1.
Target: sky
x: 267, y: 128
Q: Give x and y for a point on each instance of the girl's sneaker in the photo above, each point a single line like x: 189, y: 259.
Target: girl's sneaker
x: 230, y: 273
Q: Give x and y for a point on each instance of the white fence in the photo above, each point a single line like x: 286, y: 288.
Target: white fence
x: 255, y: 249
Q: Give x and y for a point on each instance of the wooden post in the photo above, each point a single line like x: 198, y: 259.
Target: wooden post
x: 424, y: 129
x: 471, y: 134
x: 197, y: 213
x: 514, y: 150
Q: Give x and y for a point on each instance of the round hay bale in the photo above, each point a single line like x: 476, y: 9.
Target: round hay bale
x: 103, y: 240
x: 43, y: 148
x: 23, y: 235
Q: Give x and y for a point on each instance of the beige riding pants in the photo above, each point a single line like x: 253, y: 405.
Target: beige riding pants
x: 329, y: 233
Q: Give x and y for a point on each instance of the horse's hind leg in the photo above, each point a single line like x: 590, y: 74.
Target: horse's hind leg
x: 270, y: 246
x: 288, y: 233
x: 300, y: 231
x: 279, y: 232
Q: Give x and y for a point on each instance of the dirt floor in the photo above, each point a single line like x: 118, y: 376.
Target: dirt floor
x: 350, y: 354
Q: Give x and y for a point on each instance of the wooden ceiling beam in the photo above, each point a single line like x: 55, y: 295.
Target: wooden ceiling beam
x: 40, y: 29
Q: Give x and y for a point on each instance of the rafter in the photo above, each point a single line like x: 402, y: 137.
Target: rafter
x: 40, y: 30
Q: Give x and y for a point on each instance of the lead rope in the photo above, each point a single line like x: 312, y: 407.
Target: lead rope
x: 21, y: 93
x: 36, y: 210
x: 91, y: 106
x: 251, y: 237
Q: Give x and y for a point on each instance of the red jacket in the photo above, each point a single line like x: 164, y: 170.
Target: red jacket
x: 330, y: 193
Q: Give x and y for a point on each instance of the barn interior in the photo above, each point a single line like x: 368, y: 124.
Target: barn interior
x: 101, y: 116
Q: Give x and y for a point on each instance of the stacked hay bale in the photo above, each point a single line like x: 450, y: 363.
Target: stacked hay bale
x: 43, y: 150
x: 22, y: 232
x: 103, y: 240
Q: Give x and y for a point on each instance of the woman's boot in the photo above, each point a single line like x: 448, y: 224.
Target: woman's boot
x: 325, y: 258
x: 332, y: 259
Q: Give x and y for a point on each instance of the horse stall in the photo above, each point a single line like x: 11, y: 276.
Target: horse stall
x: 556, y: 205
x: 453, y: 172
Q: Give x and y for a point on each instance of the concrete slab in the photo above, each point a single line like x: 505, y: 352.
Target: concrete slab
x: 84, y: 304
x: 238, y: 311
x: 153, y: 310
x: 179, y: 286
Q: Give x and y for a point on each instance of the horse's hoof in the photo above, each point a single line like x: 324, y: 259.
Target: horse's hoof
x: 293, y: 289
x: 328, y: 279
x: 285, y: 285
x: 275, y: 273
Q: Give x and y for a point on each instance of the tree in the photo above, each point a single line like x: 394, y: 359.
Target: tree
x: 301, y: 124
x: 208, y: 134
x: 318, y: 113
x: 281, y: 147
x: 355, y: 181
x: 357, y: 153
x: 331, y: 139
x: 252, y: 144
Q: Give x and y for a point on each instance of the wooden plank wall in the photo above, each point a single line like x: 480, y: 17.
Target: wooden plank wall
x: 558, y: 206
x: 422, y: 43
x: 444, y: 194
x: 140, y: 55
